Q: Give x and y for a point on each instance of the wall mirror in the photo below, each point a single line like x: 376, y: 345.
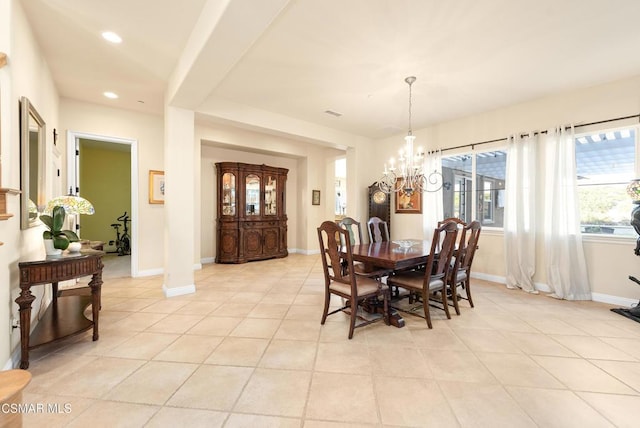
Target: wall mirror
x: 32, y: 151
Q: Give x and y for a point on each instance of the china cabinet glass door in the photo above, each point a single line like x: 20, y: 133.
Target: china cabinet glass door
x: 228, y: 194
x: 270, y: 198
x: 253, y: 195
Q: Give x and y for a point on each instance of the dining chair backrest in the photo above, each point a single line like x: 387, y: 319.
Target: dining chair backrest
x: 378, y: 230
x: 337, y: 257
x: 353, y: 229
x: 469, y: 245
x: 459, y: 222
x: 443, y: 246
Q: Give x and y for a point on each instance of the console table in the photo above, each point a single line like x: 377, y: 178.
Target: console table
x: 65, y: 315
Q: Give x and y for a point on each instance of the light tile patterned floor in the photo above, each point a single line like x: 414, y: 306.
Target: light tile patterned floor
x: 247, y: 350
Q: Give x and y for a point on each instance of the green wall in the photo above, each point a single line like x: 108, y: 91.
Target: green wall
x: 105, y: 180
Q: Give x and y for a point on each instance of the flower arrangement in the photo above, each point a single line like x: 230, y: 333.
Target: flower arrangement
x: 54, y: 222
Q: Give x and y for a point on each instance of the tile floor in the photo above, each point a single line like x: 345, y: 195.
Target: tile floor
x: 247, y: 349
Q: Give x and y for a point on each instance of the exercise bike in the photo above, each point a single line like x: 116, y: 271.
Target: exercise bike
x: 122, y: 242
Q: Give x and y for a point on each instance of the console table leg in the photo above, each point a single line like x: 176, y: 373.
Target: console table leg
x: 96, y: 303
x: 24, y: 301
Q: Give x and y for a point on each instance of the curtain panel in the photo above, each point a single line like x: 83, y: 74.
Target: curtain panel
x: 432, y: 206
x: 565, y: 262
x: 520, y: 212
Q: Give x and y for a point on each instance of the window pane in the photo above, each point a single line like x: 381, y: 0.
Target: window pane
x: 456, y: 188
x: 491, y: 170
x: 605, y: 163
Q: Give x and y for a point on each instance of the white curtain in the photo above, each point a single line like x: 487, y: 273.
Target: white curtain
x: 566, y: 265
x: 520, y: 212
x: 432, y: 209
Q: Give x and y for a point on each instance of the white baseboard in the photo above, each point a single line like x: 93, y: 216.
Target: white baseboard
x: 207, y: 260
x: 614, y: 300
x: 541, y: 286
x: 160, y: 271
x: 305, y: 252
x: 14, y: 359
x: 178, y: 291
x: 150, y: 272
x: 487, y: 277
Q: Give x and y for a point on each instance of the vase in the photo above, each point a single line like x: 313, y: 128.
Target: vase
x: 74, y: 247
x: 50, y: 249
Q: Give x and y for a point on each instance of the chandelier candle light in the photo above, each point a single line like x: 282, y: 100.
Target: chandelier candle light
x: 409, y: 177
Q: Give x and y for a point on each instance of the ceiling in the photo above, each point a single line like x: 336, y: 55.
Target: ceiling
x: 296, y: 59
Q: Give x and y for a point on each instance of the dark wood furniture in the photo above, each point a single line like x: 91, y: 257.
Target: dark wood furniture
x: 341, y: 279
x: 421, y: 284
x: 461, y: 272
x: 354, y: 232
x: 378, y: 230
x: 252, y: 219
x: 390, y: 255
x: 380, y: 204
x: 65, y: 315
x: 353, y: 228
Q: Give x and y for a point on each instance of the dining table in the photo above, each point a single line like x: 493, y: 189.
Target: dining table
x: 395, y: 255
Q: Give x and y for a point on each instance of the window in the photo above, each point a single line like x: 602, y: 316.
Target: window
x: 605, y: 164
x: 487, y: 201
x: 341, y: 187
x: 481, y: 174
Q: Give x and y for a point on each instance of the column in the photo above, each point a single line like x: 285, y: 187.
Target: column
x: 179, y: 205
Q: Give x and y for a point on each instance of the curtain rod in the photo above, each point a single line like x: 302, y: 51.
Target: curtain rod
x: 542, y: 132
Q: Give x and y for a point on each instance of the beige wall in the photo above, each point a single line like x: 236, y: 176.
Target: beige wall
x: 26, y: 74
x: 609, y: 261
x: 148, y: 132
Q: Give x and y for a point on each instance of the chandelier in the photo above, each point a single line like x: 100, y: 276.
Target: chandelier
x: 409, y: 177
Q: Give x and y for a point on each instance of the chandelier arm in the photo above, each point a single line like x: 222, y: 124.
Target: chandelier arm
x: 432, y: 182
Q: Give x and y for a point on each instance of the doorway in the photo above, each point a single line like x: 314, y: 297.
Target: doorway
x: 103, y: 170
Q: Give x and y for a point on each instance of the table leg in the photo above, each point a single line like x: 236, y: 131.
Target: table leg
x: 96, y: 301
x: 24, y: 301
x: 375, y: 306
x: 395, y: 319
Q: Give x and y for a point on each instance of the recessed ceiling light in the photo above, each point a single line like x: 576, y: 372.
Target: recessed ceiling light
x: 111, y: 95
x: 112, y: 37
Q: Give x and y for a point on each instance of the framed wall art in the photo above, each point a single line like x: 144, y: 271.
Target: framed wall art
x: 315, y: 197
x: 156, y: 187
x: 408, y: 204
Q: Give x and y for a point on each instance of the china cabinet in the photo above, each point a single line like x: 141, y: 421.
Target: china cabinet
x: 251, y: 219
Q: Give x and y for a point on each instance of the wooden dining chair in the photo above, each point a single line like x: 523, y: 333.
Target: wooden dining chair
x: 343, y: 282
x: 378, y: 230
x: 353, y: 228
x: 460, y: 274
x: 354, y: 231
x: 422, y: 284
x: 461, y: 224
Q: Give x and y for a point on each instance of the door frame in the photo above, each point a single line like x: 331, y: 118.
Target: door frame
x: 73, y: 174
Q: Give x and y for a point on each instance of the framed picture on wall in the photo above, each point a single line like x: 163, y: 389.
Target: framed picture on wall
x: 315, y: 197
x: 156, y: 187
x: 408, y: 204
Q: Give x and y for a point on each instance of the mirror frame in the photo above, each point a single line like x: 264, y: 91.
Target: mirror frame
x: 28, y: 113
